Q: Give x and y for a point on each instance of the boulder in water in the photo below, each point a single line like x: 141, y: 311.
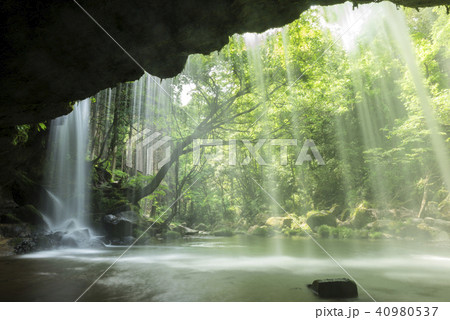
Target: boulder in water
x: 317, y: 219
x: 334, y: 288
x: 77, y: 238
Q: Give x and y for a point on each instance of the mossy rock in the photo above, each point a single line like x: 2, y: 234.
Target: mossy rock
x: 317, y: 219
x: 362, y: 216
x: 279, y: 222
x: 259, y: 231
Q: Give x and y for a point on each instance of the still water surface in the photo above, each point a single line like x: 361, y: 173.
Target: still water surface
x: 229, y: 269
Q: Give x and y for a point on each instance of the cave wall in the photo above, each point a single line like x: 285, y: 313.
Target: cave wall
x: 51, y: 52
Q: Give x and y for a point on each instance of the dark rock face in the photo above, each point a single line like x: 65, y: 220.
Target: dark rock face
x: 53, y: 53
x: 29, y: 214
x: 334, y: 288
x: 120, y: 225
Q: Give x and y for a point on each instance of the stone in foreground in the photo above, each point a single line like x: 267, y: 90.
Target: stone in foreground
x: 334, y: 288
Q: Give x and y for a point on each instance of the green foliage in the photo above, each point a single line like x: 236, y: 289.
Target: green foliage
x: 324, y: 231
x: 340, y: 233
x: 22, y: 134
x: 375, y: 235
x: 361, y: 109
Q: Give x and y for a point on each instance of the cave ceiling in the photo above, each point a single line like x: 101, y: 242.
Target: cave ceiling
x: 52, y: 52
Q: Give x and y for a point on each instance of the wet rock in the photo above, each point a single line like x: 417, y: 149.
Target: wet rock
x: 96, y: 242
x: 124, y: 241
x: 120, y: 225
x: 39, y: 241
x: 334, y: 288
x: 26, y: 246
x: 77, y: 238
x: 71, y: 225
x: 68, y: 241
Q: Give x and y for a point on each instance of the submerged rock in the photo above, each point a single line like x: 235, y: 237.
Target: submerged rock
x: 334, y: 288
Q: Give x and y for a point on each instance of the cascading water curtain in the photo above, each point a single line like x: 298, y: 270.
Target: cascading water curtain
x: 67, y: 171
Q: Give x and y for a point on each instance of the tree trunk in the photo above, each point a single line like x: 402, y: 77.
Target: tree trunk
x: 424, y: 198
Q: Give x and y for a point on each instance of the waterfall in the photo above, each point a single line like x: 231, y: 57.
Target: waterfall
x: 67, y: 172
